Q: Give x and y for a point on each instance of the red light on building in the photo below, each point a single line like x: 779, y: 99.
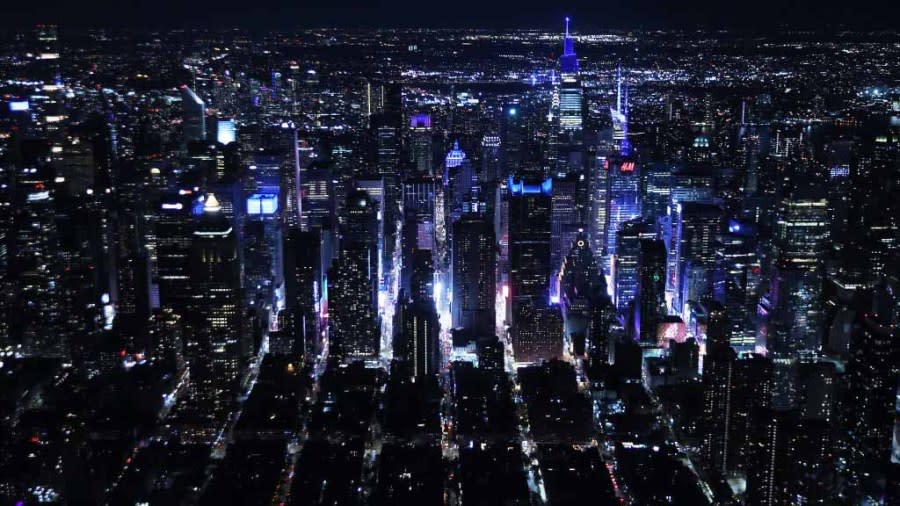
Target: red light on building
x: 627, y: 167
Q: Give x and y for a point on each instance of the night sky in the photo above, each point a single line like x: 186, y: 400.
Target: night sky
x: 756, y: 15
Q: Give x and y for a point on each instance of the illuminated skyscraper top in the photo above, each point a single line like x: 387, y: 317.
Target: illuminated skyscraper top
x: 619, y: 116
x: 455, y: 157
x: 568, y: 62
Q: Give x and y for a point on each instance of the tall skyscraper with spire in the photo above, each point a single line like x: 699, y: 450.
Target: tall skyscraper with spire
x: 570, y: 113
x: 568, y: 62
x: 620, y: 116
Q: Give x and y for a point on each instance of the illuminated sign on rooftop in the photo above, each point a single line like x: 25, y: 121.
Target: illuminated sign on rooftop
x: 40, y: 195
x: 420, y: 120
x: 225, y: 133
x: 522, y: 188
x: 262, y: 204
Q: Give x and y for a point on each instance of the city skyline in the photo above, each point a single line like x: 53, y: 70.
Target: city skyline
x: 464, y: 266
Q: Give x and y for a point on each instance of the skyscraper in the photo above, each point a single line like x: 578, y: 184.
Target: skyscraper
x: 571, y: 118
x: 581, y: 285
x: 651, y: 306
x: 536, y: 325
x: 839, y: 187
x: 619, y: 117
x: 214, y: 346
x: 193, y: 111
x: 460, y: 183
x: 34, y: 269
x: 624, y: 199
x: 353, y: 327
x: 386, y: 128
x: 656, y: 190
x: 354, y: 330
x: 718, y: 388
x: 302, y: 291
x: 598, y: 220
x: 171, y: 235
x: 626, y: 262
x: 422, y: 152
x: 530, y: 238
x: 419, y: 339
x: 736, y: 282
x: 473, y: 277
x: 751, y: 394
x: 770, y: 461
x: 565, y: 221
x: 513, y: 139
x: 795, y: 287
x: 696, y: 226
x: 360, y: 238
x: 491, y: 159
x: 872, y: 385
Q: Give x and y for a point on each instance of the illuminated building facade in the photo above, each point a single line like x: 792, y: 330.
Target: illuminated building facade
x: 624, y: 199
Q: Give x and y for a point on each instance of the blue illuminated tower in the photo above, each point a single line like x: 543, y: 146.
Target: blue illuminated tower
x: 568, y: 61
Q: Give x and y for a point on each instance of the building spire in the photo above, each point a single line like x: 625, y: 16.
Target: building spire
x: 568, y: 62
